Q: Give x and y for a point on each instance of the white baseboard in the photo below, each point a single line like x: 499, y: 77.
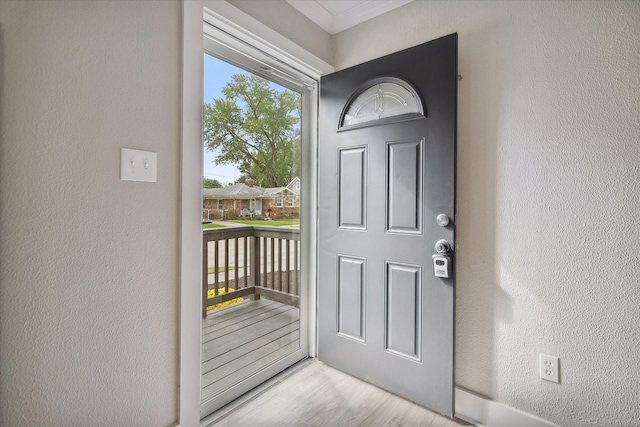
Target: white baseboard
x: 483, y: 412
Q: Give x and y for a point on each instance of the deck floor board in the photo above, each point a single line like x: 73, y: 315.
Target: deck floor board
x: 241, y: 339
x: 246, y: 321
x: 223, y: 316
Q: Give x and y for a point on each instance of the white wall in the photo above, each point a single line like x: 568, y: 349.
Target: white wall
x: 548, y: 196
x: 283, y: 18
x: 88, y: 263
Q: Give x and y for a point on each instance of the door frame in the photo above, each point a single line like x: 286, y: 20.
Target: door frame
x: 286, y: 54
x: 225, y: 48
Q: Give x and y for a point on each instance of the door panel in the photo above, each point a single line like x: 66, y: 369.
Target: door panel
x: 351, y: 286
x: 352, y: 187
x: 383, y: 316
x: 403, y: 306
x: 404, y: 187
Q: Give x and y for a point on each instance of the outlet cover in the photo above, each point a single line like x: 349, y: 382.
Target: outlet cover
x: 549, y: 368
x: 136, y: 165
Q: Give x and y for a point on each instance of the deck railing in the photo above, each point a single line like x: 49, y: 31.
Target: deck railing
x: 250, y: 261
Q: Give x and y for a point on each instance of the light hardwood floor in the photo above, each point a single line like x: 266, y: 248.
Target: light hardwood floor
x: 317, y: 395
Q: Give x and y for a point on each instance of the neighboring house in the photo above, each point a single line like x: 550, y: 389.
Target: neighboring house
x: 250, y: 200
x: 294, y: 185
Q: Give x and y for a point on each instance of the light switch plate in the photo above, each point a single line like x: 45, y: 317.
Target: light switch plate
x: 136, y: 165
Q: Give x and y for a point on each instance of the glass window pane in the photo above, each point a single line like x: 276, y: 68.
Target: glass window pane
x: 251, y: 280
x: 379, y: 101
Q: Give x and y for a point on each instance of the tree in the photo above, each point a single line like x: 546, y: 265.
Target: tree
x: 211, y: 183
x: 256, y: 128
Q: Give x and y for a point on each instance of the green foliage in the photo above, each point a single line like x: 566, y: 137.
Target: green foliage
x: 288, y: 214
x: 212, y: 225
x: 230, y: 214
x: 220, y: 269
x: 273, y: 222
x: 257, y: 128
x: 211, y: 183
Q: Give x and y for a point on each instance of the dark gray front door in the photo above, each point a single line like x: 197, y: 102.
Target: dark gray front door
x: 386, y: 171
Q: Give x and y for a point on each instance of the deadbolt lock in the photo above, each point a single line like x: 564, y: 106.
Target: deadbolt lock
x: 442, y: 247
x: 441, y: 260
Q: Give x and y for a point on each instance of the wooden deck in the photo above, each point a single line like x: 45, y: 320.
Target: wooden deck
x: 242, y: 338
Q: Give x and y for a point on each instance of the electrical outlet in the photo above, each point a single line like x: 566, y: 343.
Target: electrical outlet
x: 549, y: 368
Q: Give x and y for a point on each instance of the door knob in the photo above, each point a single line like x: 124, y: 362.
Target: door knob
x: 442, y: 220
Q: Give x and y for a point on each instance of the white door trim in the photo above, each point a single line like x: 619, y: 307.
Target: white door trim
x: 190, y: 228
x: 235, y: 23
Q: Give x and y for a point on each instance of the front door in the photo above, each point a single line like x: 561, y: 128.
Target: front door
x: 386, y: 197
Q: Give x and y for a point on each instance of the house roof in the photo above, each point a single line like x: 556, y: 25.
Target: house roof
x: 243, y: 191
x: 235, y: 191
x: 275, y: 190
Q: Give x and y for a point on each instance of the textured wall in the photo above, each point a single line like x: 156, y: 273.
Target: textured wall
x: 548, y: 196
x: 88, y: 263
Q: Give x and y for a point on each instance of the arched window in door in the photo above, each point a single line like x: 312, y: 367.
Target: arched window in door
x: 382, y: 100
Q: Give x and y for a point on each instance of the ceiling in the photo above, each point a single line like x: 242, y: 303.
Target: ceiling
x: 334, y: 16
